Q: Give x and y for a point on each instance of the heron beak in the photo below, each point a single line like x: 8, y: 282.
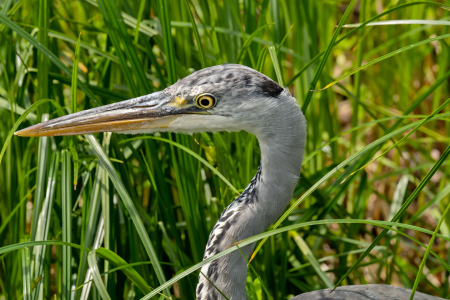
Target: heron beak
x: 154, y: 111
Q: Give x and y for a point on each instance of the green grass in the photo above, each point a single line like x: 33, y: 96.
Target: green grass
x: 120, y: 217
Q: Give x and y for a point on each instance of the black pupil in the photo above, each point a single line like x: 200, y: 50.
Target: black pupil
x: 205, y: 102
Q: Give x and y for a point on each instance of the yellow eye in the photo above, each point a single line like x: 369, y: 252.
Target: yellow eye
x: 206, y: 101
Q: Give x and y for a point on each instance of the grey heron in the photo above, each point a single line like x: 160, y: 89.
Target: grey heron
x: 225, y: 98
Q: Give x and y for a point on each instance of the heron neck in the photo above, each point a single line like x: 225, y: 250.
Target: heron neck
x: 261, y: 203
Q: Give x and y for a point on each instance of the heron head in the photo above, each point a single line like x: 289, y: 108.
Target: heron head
x: 219, y: 98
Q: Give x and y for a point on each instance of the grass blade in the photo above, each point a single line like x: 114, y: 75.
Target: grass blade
x: 43, y: 225
x: 276, y: 65
x: 245, y: 47
x: 207, y: 164
x: 390, y: 54
x: 168, y: 41
x: 54, y: 59
x: 18, y: 122
x: 40, y: 179
x: 106, y: 207
x: 16, y: 208
x: 130, y: 207
x: 43, y: 39
x: 401, y: 22
x: 138, y: 21
x: 89, y: 274
x: 197, y: 36
x: 66, y: 202
x: 425, y: 256
x: 325, y: 56
x: 406, y: 136
x: 129, y: 271
x: 92, y: 260
x: 26, y: 273
x: 397, y: 216
x: 362, y: 25
x: 73, y: 90
x: 22, y: 245
x: 310, y: 256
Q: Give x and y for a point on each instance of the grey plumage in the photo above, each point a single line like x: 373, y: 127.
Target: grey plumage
x: 254, y: 103
x: 365, y: 292
x: 244, y: 99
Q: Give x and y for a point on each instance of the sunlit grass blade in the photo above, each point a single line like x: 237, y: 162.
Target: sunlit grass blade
x: 132, y: 22
x: 168, y: 242
x: 361, y: 126
x: 284, y: 39
x: 401, y: 22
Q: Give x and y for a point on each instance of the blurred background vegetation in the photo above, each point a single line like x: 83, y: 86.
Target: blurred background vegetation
x: 54, y: 188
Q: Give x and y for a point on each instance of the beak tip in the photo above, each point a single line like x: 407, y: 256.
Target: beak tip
x: 18, y: 133
x: 26, y: 132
